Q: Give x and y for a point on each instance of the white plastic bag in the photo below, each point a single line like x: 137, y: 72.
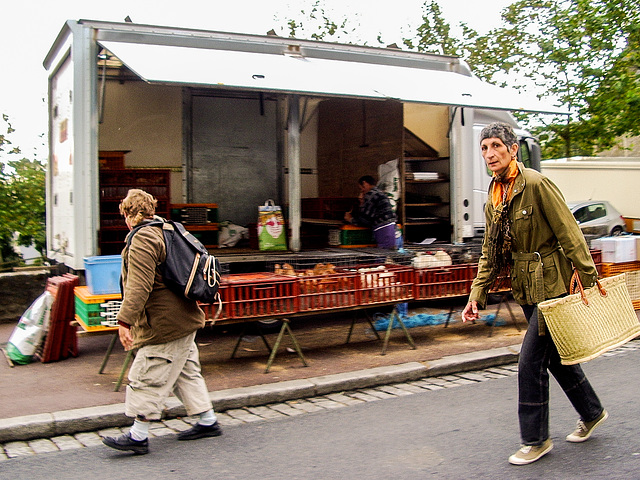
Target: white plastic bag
x: 389, y: 181
x: 231, y: 234
x: 30, y: 331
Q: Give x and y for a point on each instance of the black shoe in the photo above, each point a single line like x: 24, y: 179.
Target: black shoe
x: 201, y: 431
x: 126, y: 443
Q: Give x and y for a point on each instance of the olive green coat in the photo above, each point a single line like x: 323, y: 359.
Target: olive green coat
x: 156, y: 314
x: 540, y: 222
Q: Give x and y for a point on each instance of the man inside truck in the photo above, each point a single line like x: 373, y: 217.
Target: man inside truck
x: 374, y: 212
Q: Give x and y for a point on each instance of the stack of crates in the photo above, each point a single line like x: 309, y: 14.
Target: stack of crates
x: 352, y: 236
x: 200, y: 219
x: 96, y: 312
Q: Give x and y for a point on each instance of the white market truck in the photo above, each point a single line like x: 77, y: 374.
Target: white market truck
x: 202, y: 117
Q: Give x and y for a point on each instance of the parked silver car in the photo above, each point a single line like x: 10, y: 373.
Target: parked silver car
x: 597, y: 218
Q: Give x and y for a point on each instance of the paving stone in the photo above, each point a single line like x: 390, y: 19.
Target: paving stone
x: 88, y: 439
x: 160, y: 430
x: 344, y: 399
x: 325, y: 402
x: 177, y: 424
x: 393, y: 390
x: 474, y: 376
x: 304, y: 405
x: 437, y: 381
x: 227, y: 421
x: 43, y: 445
x: 363, y: 396
x: 66, y: 442
x: 112, y: 432
x: 434, y: 387
x: 266, y: 412
x: 18, y: 449
x: 500, y: 371
x: 464, y: 381
x: 450, y: 378
x: 421, y: 384
x: 244, y: 415
x: 451, y: 385
x: 409, y: 387
x: 286, y: 409
x: 377, y: 393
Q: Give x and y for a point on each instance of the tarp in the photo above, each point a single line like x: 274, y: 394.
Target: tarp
x: 167, y: 64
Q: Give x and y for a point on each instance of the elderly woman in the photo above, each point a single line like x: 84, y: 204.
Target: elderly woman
x: 531, y: 233
x: 162, y: 326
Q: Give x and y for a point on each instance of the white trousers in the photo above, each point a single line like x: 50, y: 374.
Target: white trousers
x: 159, y: 370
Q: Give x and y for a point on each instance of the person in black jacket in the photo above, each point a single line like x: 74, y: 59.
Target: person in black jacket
x: 375, y: 212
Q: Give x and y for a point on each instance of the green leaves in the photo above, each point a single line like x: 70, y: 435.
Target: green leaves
x: 22, y: 200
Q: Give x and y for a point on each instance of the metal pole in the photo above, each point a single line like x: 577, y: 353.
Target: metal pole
x: 294, y: 172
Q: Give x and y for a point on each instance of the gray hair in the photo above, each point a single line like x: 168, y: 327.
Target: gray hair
x: 499, y: 130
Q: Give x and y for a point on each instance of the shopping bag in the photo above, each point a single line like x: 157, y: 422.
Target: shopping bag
x: 588, y: 322
x: 271, y: 232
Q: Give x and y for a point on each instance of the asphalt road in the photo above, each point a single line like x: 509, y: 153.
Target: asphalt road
x: 466, y: 432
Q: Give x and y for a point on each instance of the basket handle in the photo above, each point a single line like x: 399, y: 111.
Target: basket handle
x: 575, y: 280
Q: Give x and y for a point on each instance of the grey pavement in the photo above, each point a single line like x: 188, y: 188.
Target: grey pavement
x: 83, y: 427
x: 453, y: 426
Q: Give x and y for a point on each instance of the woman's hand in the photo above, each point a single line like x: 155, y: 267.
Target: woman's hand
x: 470, y: 312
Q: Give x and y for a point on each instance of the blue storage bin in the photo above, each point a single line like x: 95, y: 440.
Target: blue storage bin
x: 103, y: 274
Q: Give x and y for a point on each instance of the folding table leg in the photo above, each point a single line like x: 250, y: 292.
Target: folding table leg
x: 244, y: 330
x: 504, y: 299
x: 108, y: 353
x: 353, y: 322
x: 394, y: 316
x: 285, y: 328
x: 125, y: 365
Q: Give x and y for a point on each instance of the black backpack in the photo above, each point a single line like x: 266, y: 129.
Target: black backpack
x: 188, y: 270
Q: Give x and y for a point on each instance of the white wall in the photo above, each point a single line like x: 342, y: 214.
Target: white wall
x: 615, y: 180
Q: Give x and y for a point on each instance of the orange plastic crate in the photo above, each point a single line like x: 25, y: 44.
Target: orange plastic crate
x: 384, y: 283
x: 611, y: 269
x: 210, y: 309
x: 321, y: 292
x: 438, y: 282
x: 503, y: 283
x: 260, y: 294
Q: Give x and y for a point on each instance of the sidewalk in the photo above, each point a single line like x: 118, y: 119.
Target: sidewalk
x: 42, y: 400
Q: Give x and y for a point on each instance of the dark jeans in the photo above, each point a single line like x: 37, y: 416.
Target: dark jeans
x: 538, y: 357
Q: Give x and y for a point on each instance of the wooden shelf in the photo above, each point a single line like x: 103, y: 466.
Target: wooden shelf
x: 424, y: 159
x: 433, y: 204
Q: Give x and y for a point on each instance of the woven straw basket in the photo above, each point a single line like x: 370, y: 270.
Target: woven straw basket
x: 587, y: 323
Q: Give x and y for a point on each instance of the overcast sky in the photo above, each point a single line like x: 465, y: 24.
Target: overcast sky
x: 29, y: 27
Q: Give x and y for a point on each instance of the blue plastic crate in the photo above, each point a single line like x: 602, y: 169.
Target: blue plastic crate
x: 103, y: 274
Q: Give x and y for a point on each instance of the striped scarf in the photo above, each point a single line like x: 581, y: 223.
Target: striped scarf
x: 500, y: 239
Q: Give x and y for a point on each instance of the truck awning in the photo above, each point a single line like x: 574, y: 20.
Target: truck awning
x: 167, y: 64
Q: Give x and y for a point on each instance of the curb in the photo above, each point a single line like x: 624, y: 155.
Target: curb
x: 69, y: 422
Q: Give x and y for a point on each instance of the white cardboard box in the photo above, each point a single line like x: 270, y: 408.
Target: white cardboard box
x: 618, y: 249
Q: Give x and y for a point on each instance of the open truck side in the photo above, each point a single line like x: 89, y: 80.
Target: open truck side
x: 233, y: 120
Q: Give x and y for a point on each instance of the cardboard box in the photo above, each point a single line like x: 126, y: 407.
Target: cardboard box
x: 618, y: 249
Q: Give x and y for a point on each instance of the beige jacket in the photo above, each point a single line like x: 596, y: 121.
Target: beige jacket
x: 156, y: 314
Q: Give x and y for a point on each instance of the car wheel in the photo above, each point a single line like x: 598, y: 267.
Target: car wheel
x: 615, y: 231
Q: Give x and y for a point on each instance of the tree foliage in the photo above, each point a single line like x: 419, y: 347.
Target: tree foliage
x: 22, y: 199
x: 584, y: 54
